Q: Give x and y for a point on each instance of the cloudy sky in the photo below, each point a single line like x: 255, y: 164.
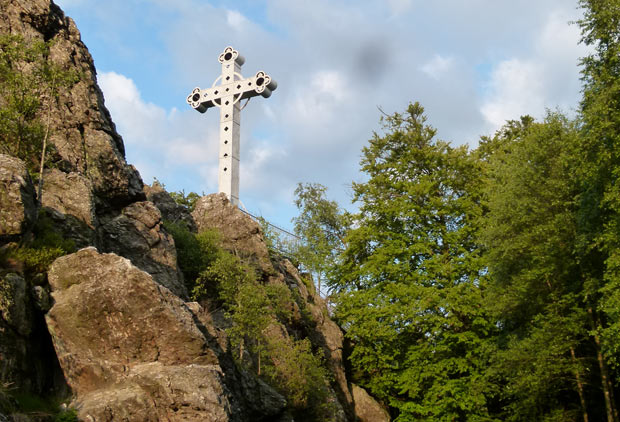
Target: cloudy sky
x: 472, y: 64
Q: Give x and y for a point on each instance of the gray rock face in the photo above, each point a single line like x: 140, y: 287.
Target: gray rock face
x: 15, y: 304
x: 69, y: 201
x: 131, y: 350
x: 170, y: 210
x: 17, y: 198
x: 22, y: 345
x: 240, y: 234
x: 137, y: 234
x: 83, y: 133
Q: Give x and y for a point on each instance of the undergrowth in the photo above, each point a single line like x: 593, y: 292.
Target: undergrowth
x: 219, y: 279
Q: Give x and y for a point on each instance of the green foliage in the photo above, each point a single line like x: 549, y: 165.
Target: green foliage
x: 69, y: 415
x: 410, y: 280
x: 225, y: 274
x: 599, y: 144
x: 47, y: 406
x: 300, y: 375
x: 29, y: 82
x: 322, y: 225
x: 223, y: 279
x: 187, y: 201
x: 37, y: 255
x: 195, y: 252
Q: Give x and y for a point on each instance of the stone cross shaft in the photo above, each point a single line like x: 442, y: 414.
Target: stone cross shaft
x: 227, y: 96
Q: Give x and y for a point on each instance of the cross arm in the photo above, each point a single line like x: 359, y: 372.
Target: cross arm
x: 259, y: 84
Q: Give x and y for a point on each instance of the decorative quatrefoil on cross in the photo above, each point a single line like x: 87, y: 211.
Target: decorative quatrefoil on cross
x: 231, y: 84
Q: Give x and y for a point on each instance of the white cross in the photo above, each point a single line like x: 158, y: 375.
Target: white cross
x: 227, y: 96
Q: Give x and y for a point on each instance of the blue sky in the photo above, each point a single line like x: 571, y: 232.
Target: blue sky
x: 472, y: 65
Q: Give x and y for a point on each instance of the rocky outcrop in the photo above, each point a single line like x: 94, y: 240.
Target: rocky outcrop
x: 17, y: 198
x: 137, y: 234
x: 131, y: 350
x: 84, y: 137
x: 170, y: 210
x: 243, y: 236
x: 69, y: 201
x: 240, y: 233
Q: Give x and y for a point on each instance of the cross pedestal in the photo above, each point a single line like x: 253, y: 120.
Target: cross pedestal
x: 227, y: 96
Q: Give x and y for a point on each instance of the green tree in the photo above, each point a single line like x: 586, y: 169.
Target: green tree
x: 536, y: 291
x: 599, y: 170
x: 410, y: 282
x: 30, y: 83
x: 185, y: 200
x: 322, y: 226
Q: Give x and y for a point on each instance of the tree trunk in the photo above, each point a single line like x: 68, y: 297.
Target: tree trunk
x: 259, y: 353
x: 47, y: 133
x: 582, y: 398
x: 605, y: 382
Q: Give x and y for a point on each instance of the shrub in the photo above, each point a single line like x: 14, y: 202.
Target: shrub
x: 69, y: 415
x: 300, y: 375
x: 36, y: 256
x: 195, y: 253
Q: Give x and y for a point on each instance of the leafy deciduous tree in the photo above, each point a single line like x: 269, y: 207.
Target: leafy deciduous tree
x: 410, y: 281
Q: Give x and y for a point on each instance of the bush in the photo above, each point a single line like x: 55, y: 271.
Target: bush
x: 36, y: 256
x: 300, y: 375
x: 69, y: 415
x: 195, y: 253
x: 188, y: 201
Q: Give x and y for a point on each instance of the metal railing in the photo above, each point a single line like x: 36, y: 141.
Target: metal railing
x: 281, y: 240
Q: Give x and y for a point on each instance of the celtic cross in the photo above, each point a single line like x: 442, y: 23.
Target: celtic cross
x: 227, y: 96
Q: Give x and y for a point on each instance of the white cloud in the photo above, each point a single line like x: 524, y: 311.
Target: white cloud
x: 437, y: 66
x: 559, y: 38
x: 318, y: 100
x: 236, y: 20
x: 400, y: 6
x: 151, y: 135
x: 548, y: 77
x: 515, y: 89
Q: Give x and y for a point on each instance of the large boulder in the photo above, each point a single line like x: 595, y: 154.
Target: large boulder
x: 138, y: 234
x: 240, y: 234
x: 17, y: 198
x: 131, y: 350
